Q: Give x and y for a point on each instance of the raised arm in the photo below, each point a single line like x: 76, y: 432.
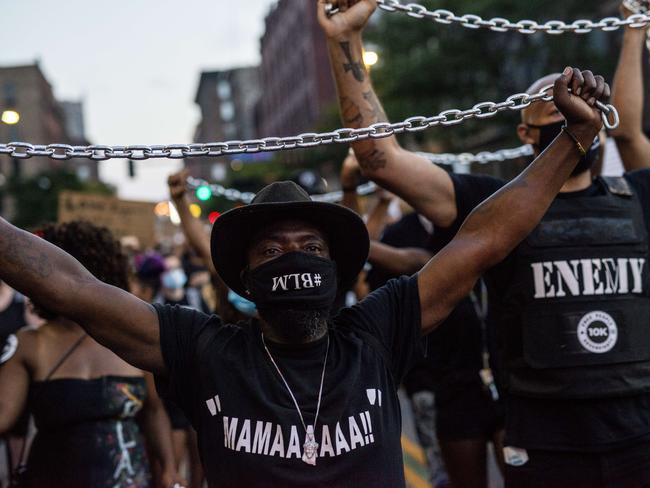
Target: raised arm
x: 398, y: 260
x: 54, y: 279
x: 349, y: 177
x: 627, y: 96
x: 423, y: 185
x: 192, y: 227
x: 496, y: 226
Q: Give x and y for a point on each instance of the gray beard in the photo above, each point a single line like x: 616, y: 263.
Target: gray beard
x: 296, y: 326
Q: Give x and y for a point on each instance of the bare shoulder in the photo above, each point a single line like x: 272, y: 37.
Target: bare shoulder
x: 30, y: 340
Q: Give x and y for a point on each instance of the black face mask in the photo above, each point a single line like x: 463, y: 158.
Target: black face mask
x: 295, y: 280
x: 548, y: 133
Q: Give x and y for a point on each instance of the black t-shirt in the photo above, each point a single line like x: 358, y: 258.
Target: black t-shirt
x: 587, y: 425
x: 248, y: 428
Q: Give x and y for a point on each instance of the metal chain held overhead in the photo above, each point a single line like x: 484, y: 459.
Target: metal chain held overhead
x: 499, y: 24
x: 483, y: 110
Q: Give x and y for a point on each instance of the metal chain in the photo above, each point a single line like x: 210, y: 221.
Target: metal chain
x: 484, y: 157
x: 483, y: 110
x: 499, y: 24
x: 235, y: 195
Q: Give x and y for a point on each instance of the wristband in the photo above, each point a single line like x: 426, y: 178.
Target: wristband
x: 580, y: 147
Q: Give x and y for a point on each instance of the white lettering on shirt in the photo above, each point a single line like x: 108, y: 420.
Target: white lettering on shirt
x: 254, y: 437
x: 588, y: 277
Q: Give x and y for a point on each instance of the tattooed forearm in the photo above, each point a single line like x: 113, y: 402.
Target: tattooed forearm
x: 369, y: 113
x: 370, y: 158
x: 376, y: 110
x: 357, y: 68
x: 350, y: 113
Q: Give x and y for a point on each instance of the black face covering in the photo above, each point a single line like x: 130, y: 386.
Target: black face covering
x: 548, y: 133
x: 295, y: 280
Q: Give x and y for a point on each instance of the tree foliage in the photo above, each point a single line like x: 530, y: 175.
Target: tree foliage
x: 427, y: 67
x: 35, y: 199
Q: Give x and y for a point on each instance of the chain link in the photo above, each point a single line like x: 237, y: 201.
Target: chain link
x: 640, y: 19
x: 483, y: 110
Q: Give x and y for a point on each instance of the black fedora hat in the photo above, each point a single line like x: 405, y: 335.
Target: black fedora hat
x: 233, y: 231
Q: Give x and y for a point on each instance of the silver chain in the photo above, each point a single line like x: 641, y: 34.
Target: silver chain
x: 483, y: 110
x: 464, y: 159
x: 235, y: 195
x: 320, y: 390
x: 483, y: 157
x: 499, y: 24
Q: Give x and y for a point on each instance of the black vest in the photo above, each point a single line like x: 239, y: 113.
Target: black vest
x: 575, y: 318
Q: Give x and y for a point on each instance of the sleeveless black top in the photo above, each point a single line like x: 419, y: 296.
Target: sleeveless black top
x: 87, y: 434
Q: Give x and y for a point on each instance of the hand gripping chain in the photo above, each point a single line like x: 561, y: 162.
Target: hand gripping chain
x: 498, y: 24
x: 483, y: 110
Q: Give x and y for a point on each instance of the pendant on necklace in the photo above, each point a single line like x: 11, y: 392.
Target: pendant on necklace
x: 310, y: 447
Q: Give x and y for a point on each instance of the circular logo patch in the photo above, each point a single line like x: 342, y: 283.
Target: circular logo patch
x: 597, y: 332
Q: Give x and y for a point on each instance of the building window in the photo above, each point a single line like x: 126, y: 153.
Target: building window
x: 227, y: 111
x: 9, y: 94
x: 224, y: 92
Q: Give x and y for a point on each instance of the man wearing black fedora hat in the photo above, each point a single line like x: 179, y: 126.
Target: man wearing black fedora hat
x: 296, y: 398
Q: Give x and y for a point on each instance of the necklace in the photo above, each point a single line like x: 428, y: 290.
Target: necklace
x: 310, y: 446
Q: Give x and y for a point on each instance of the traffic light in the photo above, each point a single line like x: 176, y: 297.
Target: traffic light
x: 203, y: 193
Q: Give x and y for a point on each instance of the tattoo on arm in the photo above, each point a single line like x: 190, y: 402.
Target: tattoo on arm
x: 358, y: 70
x: 370, y: 158
x: 370, y: 113
x: 376, y: 111
x: 351, y: 113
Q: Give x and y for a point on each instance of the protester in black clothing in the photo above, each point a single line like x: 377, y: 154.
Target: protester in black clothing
x: 570, y: 303
x: 295, y: 399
